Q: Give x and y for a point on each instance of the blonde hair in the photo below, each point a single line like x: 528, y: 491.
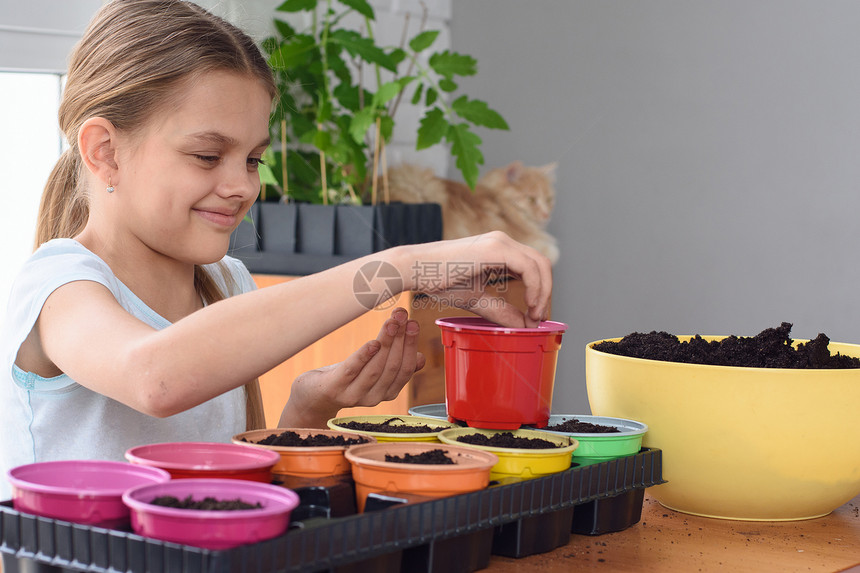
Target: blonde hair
x: 131, y: 63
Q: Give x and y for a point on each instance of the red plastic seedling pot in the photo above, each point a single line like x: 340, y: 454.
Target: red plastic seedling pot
x: 497, y: 377
x: 184, y: 460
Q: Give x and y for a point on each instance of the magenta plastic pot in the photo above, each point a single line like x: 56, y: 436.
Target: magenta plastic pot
x: 207, y: 460
x: 497, y: 377
x: 80, y: 491
x: 211, y: 529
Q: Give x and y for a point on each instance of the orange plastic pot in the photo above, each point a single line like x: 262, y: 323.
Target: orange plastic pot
x: 301, y: 461
x: 497, y: 377
x: 372, y: 474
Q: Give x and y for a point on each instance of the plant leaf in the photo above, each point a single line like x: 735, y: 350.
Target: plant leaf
x: 416, y: 97
x: 266, y: 175
x: 294, y: 52
x: 322, y: 140
x: 362, y: 47
x: 360, y: 6
x: 386, y: 93
x: 397, y: 55
x: 449, y: 64
x: 431, y: 97
x: 297, y: 5
x: 386, y: 127
x: 284, y: 29
x: 347, y: 95
x: 479, y: 113
x: 447, y: 85
x: 432, y: 130
x: 361, y: 122
x: 423, y: 40
x: 464, y: 146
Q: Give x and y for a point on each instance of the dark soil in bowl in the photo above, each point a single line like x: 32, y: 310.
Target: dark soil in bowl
x: 207, y: 503
x: 293, y: 439
x: 771, y: 348
x: 435, y: 457
x: 507, y: 440
x: 389, y: 427
x: 576, y: 426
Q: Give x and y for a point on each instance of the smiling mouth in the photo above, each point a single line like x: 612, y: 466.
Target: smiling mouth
x: 218, y: 218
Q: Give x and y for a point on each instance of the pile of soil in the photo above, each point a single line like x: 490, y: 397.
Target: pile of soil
x: 576, y: 426
x: 388, y: 427
x: 290, y: 438
x: 771, y: 348
x: 208, y: 503
x: 507, y: 440
x: 435, y: 457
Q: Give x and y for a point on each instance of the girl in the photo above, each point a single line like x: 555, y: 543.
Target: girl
x: 129, y: 324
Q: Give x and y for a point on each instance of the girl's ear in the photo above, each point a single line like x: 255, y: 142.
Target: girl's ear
x: 97, y: 141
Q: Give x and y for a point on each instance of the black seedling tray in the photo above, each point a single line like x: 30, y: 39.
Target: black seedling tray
x: 450, y: 535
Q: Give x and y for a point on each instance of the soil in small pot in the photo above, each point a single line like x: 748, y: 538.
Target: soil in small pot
x: 388, y: 427
x: 507, y: 440
x: 435, y: 457
x: 293, y: 439
x: 207, y: 503
x: 771, y: 348
x: 576, y: 426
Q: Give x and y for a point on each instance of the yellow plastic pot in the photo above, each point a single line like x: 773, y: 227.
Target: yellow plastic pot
x: 740, y: 443
x: 337, y: 424
x: 373, y: 474
x: 520, y: 463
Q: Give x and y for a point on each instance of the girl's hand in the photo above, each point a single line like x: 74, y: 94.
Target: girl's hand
x: 374, y: 373
x: 455, y: 273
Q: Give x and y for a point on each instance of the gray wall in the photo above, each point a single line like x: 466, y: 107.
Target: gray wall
x: 708, y: 160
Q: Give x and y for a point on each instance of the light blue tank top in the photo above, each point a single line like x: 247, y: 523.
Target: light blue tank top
x: 57, y: 418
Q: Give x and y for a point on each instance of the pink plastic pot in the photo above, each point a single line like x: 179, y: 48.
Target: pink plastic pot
x: 496, y: 377
x: 211, y: 529
x: 81, y: 491
x: 207, y: 460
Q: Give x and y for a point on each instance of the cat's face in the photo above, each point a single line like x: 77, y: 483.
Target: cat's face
x: 530, y: 189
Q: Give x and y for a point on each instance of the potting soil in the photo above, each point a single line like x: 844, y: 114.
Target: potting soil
x: 290, y: 438
x: 435, y: 457
x: 388, y: 427
x: 207, y: 503
x: 576, y: 426
x: 771, y: 348
x: 507, y: 440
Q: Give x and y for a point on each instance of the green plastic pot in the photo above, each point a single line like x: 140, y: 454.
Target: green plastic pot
x: 600, y: 447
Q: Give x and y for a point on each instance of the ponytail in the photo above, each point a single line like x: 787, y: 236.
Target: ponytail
x: 63, y: 210
x: 210, y: 293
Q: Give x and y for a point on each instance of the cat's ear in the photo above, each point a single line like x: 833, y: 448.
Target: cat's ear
x: 513, y: 171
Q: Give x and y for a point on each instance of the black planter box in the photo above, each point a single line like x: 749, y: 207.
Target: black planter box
x: 451, y: 535
x: 304, y: 238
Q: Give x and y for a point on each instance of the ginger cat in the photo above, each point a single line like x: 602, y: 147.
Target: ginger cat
x: 515, y: 199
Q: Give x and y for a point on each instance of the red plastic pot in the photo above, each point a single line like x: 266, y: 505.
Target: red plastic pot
x: 496, y: 377
x: 184, y: 460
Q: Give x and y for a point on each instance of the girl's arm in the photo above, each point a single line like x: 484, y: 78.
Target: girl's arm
x: 86, y: 334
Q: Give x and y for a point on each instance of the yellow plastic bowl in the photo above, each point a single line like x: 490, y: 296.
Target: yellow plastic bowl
x: 337, y: 424
x: 520, y: 463
x: 765, y: 444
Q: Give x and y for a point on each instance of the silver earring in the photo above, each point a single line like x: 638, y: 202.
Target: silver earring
x: 110, y: 187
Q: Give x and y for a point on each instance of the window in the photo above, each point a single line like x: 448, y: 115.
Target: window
x: 29, y: 148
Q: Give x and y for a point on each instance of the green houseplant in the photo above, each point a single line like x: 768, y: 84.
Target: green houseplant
x: 326, y: 170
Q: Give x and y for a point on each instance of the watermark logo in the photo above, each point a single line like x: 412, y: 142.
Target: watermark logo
x: 375, y: 283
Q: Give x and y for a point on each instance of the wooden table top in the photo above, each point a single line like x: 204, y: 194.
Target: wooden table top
x: 666, y: 540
